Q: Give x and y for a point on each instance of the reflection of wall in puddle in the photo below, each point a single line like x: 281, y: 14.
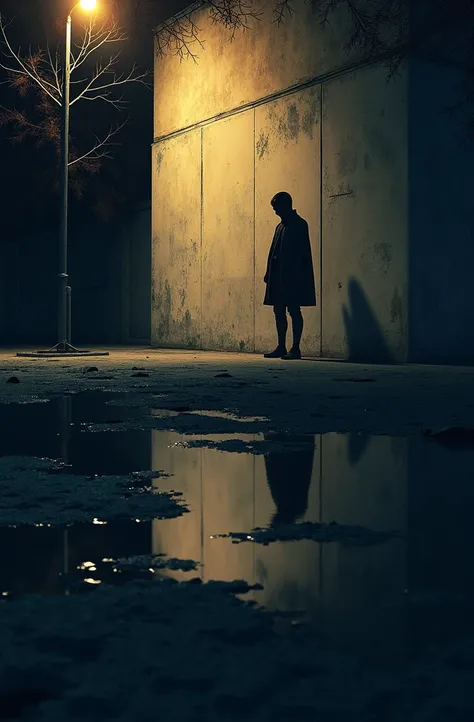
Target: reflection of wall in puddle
x: 364, y: 481
x: 354, y: 481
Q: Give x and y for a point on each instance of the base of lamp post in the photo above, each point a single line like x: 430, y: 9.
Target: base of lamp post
x: 63, y: 349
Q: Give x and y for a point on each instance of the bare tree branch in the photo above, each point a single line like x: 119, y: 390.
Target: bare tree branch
x: 101, y: 149
x: 92, y: 91
x: 26, y: 66
x: 376, y: 27
x: 40, y: 72
x: 94, y: 39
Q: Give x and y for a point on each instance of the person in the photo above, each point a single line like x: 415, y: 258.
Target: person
x: 289, y: 275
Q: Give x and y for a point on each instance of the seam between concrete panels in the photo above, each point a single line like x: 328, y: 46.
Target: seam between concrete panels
x: 201, y: 325
x: 254, y: 229
x: 321, y: 180
x: 321, y: 515
x: 295, y: 88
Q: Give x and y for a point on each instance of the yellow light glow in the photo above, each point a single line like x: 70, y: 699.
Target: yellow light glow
x: 88, y: 4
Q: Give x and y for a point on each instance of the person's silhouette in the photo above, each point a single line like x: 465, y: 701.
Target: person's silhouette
x: 289, y: 479
x: 289, y: 275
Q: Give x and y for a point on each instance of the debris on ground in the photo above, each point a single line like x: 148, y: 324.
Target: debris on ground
x: 40, y: 491
x: 313, y: 531
x: 154, y: 562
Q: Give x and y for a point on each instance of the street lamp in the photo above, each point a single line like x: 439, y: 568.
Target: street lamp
x: 64, y: 346
x: 64, y: 300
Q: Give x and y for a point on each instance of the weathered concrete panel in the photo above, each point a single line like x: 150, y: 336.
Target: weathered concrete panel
x: 176, y: 242
x: 260, y: 60
x: 228, y: 234
x: 287, y: 157
x: 441, y: 218
x: 364, y: 236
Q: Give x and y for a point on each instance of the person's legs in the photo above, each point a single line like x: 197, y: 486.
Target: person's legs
x: 297, y: 327
x: 281, y: 327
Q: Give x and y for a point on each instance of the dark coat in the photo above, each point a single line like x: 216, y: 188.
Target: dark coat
x: 290, y: 276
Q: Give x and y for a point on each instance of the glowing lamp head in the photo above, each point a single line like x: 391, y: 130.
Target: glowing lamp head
x: 88, y: 4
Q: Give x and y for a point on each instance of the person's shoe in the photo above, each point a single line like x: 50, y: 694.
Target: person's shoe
x: 277, y: 353
x: 293, y: 354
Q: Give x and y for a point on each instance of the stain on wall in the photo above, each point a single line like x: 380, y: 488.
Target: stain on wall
x: 176, y: 242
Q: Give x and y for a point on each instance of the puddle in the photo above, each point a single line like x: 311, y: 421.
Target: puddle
x: 388, y: 600
x: 230, y: 415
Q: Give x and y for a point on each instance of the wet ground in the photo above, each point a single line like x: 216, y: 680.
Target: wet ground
x: 361, y: 540
x: 390, y: 596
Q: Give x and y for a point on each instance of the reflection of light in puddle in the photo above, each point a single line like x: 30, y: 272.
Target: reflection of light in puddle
x: 164, y: 413
x: 230, y: 415
x: 89, y: 566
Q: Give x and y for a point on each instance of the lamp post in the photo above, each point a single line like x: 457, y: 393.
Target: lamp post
x: 64, y: 346
x: 64, y: 299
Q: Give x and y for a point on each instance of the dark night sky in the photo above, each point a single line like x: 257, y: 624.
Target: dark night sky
x: 27, y: 200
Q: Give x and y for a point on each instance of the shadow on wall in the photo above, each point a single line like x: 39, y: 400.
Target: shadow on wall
x: 364, y: 335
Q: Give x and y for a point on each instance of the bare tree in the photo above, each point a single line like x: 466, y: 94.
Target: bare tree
x: 37, y: 76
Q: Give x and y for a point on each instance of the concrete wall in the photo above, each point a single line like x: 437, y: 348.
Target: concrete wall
x: 177, y: 242
x: 259, y: 61
x: 212, y: 221
x: 441, y: 259
x: 364, y: 217
x: 228, y: 236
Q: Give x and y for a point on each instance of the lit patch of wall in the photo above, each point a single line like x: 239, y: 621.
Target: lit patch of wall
x: 228, y: 234
x: 260, y: 60
x: 176, y: 242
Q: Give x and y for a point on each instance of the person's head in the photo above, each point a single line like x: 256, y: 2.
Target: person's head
x: 282, y: 204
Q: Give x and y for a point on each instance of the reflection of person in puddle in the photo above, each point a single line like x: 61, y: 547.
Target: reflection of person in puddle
x: 289, y: 479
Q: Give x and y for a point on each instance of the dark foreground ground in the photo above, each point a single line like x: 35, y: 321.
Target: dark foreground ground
x: 204, y: 536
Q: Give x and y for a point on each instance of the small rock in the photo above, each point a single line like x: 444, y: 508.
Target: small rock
x: 224, y: 375
x: 138, y: 368
x: 13, y: 380
x: 140, y: 374
x: 91, y: 369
